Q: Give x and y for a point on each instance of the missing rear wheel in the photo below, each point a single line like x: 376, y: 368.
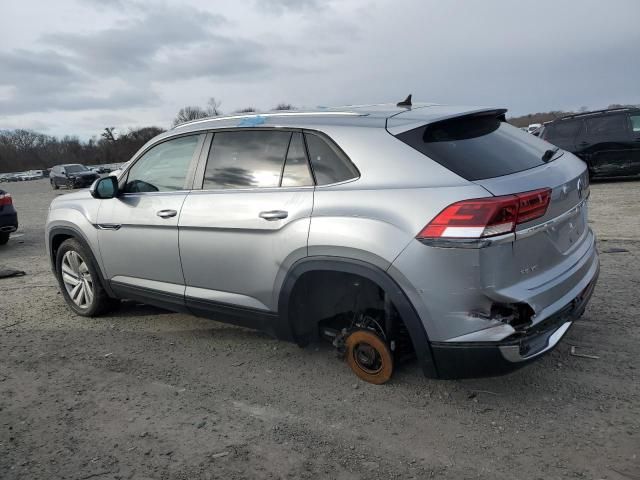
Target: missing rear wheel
x: 369, y: 357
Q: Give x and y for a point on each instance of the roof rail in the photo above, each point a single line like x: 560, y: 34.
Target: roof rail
x: 272, y: 114
x: 597, y: 112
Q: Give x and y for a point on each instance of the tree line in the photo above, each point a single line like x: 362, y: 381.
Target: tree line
x: 28, y: 150
x: 22, y: 150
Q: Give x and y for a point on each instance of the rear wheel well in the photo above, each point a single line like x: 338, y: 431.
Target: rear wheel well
x: 325, y: 302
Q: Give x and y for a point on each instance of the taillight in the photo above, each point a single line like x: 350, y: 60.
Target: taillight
x: 5, y: 199
x: 487, y: 217
x: 533, y: 205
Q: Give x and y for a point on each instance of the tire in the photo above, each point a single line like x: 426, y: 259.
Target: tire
x: 69, y: 185
x: 4, y: 238
x: 91, y: 299
x: 367, y: 342
x: 54, y: 185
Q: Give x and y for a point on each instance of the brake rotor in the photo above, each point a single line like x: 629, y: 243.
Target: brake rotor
x: 369, y: 357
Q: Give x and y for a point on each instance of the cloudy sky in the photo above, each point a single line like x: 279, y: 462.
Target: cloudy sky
x: 76, y: 66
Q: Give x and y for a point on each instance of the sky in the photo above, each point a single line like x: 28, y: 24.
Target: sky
x: 73, y: 67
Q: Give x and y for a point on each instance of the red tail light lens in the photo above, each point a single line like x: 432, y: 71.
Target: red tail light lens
x: 487, y: 217
x: 5, y: 199
x: 533, y: 204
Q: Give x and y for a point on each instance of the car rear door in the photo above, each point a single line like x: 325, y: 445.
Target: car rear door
x: 606, y: 145
x: 138, y: 230
x: 248, y: 223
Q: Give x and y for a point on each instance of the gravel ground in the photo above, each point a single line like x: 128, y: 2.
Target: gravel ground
x: 145, y: 393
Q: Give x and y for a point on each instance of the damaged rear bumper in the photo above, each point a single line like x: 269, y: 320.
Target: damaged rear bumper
x: 482, y: 359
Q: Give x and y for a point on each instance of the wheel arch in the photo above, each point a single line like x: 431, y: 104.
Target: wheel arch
x: 412, y: 321
x: 57, y: 235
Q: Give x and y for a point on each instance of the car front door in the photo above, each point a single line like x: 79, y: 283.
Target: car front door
x: 138, y: 230
x: 248, y: 223
x: 607, y: 145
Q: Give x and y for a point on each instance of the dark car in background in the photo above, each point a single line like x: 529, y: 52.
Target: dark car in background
x: 72, y: 175
x: 8, y: 217
x: 607, y: 140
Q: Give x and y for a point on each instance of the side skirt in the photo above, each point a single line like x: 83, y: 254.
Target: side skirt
x: 261, y: 320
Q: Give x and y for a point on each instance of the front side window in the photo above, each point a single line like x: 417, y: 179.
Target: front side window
x: 635, y: 123
x: 246, y: 159
x: 164, y: 167
x: 606, y: 125
x: 329, y: 164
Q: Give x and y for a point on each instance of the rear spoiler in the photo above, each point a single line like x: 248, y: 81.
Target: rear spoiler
x: 405, y: 121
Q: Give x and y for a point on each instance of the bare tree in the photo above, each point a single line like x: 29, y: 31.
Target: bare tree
x: 284, y: 106
x: 189, y: 113
x: 109, y: 134
x: 213, y: 107
x: 246, y: 110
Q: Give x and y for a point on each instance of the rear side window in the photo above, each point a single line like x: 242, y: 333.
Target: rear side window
x: 329, y: 164
x: 477, y: 147
x: 635, y: 123
x: 562, y: 132
x: 246, y: 159
x: 606, y: 125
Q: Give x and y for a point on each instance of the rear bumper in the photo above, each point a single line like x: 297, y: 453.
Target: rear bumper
x: 8, y: 222
x: 483, y: 359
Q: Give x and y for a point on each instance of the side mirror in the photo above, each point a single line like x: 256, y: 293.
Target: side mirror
x: 104, y: 188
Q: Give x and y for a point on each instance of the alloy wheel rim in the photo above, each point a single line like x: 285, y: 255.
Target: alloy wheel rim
x: 77, y: 279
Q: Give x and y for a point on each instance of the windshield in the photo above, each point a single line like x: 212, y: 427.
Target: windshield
x: 75, y: 168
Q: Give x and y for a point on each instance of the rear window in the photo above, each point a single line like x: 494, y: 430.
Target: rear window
x: 477, y: 147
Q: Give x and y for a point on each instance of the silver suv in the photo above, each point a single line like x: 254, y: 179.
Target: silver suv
x: 434, y: 232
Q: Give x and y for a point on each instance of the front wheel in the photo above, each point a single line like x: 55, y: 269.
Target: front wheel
x: 54, y: 185
x: 4, y: 238
x: 79, y: 281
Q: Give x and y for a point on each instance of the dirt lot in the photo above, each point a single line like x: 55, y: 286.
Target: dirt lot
x: 149, y: 394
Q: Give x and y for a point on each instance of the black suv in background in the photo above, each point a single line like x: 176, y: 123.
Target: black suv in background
x: 72, y: 175
x: 607, y: 140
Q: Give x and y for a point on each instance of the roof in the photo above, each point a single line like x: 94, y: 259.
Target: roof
x: 388, y: 116
x: 598, y: 112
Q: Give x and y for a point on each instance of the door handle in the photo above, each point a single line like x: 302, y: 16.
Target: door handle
x: 274, y: 215
x: 166, y: 213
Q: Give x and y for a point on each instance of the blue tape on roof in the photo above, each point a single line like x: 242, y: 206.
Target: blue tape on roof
x: 252, y: 121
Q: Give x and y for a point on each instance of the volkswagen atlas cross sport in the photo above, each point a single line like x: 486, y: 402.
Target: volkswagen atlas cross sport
x: 427, y: 231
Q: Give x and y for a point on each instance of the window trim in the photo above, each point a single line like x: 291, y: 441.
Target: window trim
x: 191, y: 169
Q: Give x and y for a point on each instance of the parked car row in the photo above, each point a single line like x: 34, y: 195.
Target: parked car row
x: 38, y: 174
